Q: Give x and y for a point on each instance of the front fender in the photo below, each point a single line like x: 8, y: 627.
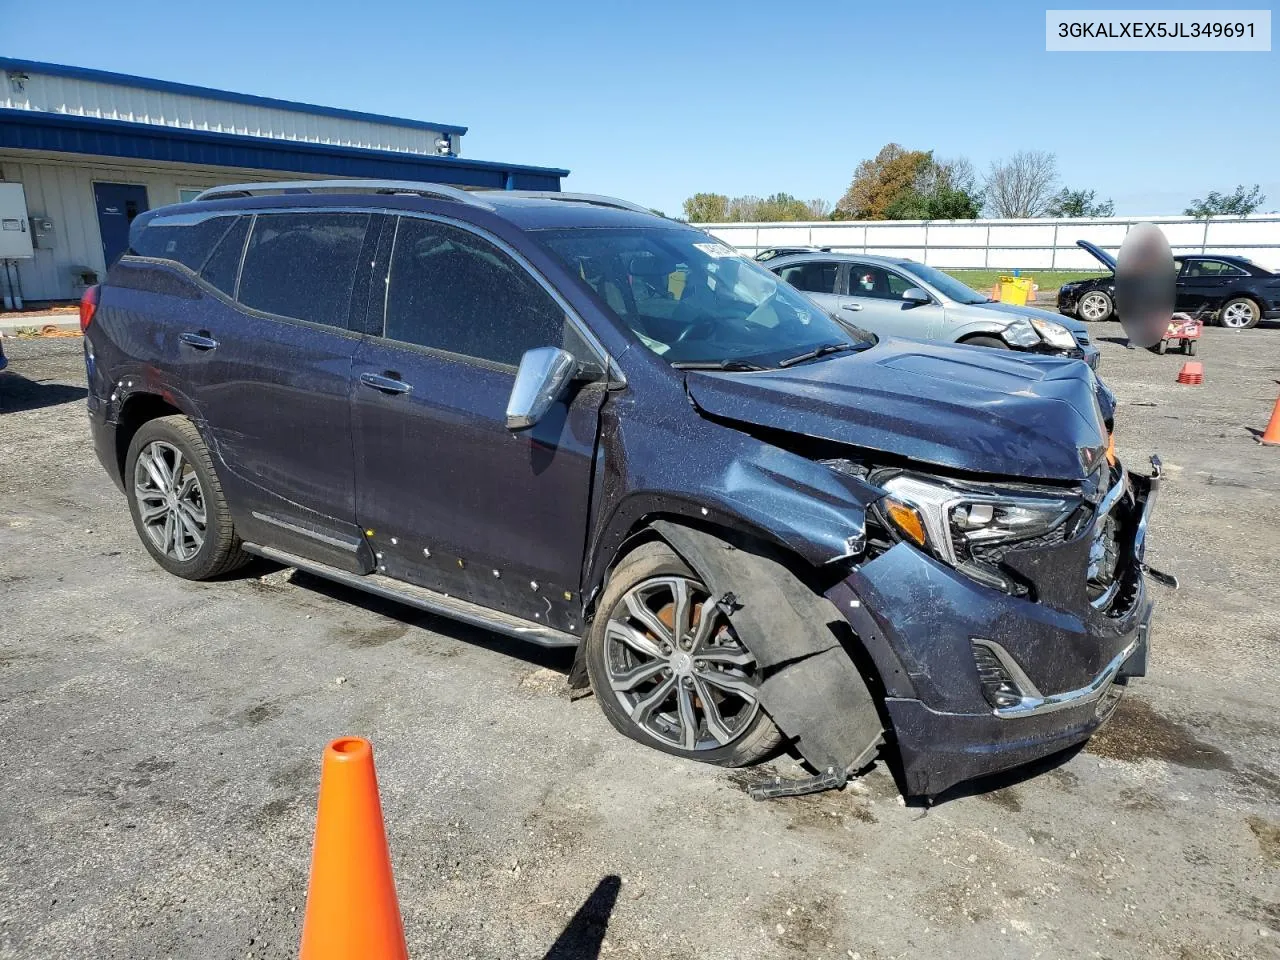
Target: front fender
x: 732, y: 480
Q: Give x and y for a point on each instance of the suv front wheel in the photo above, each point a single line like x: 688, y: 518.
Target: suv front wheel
x: 177, y: 503
x: 668, y: 669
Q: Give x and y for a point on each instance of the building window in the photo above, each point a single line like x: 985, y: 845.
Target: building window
x: 186, y: 195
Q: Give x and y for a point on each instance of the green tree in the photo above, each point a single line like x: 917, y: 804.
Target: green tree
x: 1238, y: 203
x: 1078, y: 203
x: 707, y: 208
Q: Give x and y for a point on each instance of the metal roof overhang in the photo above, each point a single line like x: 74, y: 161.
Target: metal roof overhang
x: 61, y: 133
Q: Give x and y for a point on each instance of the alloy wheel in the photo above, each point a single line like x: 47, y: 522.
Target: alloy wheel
x: 1237, y: 315
x: 676, y: 666
x: 171, y: 503
x: 1093, y: 306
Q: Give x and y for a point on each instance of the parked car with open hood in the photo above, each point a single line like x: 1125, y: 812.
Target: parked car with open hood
x: 574, y: 422
x: 1232, y: 291
x: 891, y: 296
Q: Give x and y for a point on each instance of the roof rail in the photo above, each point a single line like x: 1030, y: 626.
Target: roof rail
x: 437, y: 190
x: 592, y: 198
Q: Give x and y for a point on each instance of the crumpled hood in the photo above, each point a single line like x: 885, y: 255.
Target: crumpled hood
x: 967, y: 408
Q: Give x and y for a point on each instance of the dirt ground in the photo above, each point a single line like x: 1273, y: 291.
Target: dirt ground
x: 161, y: 744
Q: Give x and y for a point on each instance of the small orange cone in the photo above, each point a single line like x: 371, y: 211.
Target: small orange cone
x: 1271, y: 436
x: 995, y: 292
x: 1192, y: 373
x: 352, y: 912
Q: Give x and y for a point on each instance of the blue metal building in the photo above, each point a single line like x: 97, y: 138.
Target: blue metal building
x: 92, y: 149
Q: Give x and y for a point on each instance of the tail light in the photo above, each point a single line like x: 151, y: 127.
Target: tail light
x: 88, y: 307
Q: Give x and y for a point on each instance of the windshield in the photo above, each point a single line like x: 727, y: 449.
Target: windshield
x: 948, y: 286
x: 693, y: 300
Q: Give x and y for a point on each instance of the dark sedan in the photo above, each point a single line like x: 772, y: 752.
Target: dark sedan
x: 1232, y: 290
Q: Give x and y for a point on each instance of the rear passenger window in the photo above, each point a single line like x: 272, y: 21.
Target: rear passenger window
x: 811, y: 277
x: 453, y: 291
x: 224, y: 262
x: 186, y: 238
x: 303, y: 265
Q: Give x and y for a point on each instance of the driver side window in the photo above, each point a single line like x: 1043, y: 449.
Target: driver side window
x: 456, y: 292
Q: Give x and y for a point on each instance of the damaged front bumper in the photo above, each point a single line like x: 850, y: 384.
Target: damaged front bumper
x: 1061, y: 664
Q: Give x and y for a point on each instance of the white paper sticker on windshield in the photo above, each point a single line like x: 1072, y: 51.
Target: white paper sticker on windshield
x: 716, y: 251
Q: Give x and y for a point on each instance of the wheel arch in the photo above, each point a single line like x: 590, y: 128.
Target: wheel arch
x: 136, y: 409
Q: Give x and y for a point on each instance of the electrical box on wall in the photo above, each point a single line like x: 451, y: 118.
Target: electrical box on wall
x: 15, y: 233
x: 43, y: 234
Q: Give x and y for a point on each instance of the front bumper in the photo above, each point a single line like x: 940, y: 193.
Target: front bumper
x: 919, y: 619
x: 1088, y: 353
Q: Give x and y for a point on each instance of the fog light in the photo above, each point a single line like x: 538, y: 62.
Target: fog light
x: 997, y: 686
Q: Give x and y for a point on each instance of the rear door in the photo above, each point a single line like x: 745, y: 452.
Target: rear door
x: 1203, y: 283
x: 449, y: 497
x: 820, y: 279
x: 270, y: 364
x: 874, y: 301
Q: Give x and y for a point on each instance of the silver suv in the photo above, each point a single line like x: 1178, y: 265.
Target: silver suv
x: 902, y: 298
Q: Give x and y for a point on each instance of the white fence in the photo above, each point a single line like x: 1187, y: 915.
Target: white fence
x: 1008, y: 244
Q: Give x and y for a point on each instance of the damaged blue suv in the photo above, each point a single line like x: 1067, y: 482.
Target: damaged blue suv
x: 561, y: 417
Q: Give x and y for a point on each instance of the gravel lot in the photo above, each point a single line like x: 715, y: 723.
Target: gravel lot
x: 162, y: 741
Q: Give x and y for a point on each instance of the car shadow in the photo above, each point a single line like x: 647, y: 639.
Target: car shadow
x: 19, y: 394
x: 1122, y: 341
x: 559, y: 659
x: 583, y: 937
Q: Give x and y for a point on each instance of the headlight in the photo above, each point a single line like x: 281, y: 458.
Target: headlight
x: 1020, y: 333
x: 1054, y: 334
x: 971, y: 528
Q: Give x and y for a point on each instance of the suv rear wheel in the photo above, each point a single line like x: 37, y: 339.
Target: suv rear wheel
x: 668, y: 669
x: 177, y: 503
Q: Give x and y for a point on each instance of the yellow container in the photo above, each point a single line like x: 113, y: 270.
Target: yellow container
x: 1015, y: 290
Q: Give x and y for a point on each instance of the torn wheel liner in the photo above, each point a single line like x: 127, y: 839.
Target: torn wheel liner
x: 811, y: 688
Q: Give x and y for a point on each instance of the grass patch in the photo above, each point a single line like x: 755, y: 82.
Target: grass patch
x: 1047, y: 280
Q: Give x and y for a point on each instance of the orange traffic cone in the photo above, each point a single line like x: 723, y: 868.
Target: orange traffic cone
x: 352, y: 912
x: 1191, y: 374
x: 1271, y: 436
x: 995, y: 292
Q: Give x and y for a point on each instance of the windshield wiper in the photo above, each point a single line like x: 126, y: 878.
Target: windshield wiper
x: 821, y: 351
x: 738, y: 366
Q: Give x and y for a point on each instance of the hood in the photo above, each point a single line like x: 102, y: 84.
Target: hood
x: 1104, y: 258
x: 1007, y: 311
x: 966, y: 408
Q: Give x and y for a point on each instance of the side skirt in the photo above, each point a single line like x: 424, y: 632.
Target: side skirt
x: 424, y: 599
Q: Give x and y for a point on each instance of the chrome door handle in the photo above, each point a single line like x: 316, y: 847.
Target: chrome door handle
x: 385, y: 384
x: 199, y: 341
x: 850, y: 306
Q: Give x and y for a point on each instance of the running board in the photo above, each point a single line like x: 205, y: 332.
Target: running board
x: 438, y: 603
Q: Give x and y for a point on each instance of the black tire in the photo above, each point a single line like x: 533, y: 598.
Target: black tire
x: 1189, y: 348
x: 1236, y: 305
x: 220, y: 550
x: 1108, y: 307
x: 757, y: 739
x: 1162, y: 347
x: 994, y: 343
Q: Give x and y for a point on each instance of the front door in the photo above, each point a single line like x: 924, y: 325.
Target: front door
x: 874, y: 302
x: 448, y: 496
x: 118, y: 204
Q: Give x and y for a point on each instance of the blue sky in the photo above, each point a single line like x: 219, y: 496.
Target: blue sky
x: 656, y: 101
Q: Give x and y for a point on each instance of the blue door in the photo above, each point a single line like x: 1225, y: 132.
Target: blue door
x: 118, y: 204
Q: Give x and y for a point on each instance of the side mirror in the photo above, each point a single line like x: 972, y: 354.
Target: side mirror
x: 543, y: 375
x: 915, y: 296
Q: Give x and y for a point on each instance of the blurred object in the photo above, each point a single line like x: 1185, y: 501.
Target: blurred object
x: 352, y: 913
x: 1015, y: 290
x: 1183, y: 330
x: 1145, y: 285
